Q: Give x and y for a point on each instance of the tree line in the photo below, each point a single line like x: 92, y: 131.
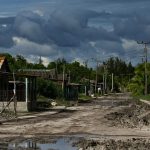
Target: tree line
x: 125, y: 74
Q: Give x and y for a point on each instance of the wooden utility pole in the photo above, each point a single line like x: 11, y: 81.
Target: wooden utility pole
x: 145, y: 63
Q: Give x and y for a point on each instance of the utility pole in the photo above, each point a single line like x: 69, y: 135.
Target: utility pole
x: 145, y: 63
x: 56, y: 70
x: 63, y: 82
x: 103, y: 83
x: 96, y: 76
x: 69, y: 77
x: 105, y: 78
x: 112, y: 84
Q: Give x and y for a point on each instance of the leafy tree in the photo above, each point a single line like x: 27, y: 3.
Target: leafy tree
x: 78, y: 71
x: 46, y: 88
x: 121, y: 70
x: 137, y: 83
x: 38, y: 66
x: 21, y: 62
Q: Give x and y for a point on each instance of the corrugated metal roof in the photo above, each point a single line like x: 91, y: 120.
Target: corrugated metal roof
x: 39, y: 72
x: 2, y: 59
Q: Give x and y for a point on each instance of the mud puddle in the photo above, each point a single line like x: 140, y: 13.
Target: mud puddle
x: 77, y: 143
x: 63, y: 143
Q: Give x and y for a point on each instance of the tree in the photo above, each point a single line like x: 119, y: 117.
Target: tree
x: 46, y: 88
x: 121, y: 70
x: 21, y: 62
x: 136, y: 86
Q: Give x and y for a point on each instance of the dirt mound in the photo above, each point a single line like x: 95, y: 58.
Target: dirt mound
x: 137, y: 115
x: 132, y: 144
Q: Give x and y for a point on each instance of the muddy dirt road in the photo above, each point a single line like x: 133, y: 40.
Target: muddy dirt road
x: 111, y: 117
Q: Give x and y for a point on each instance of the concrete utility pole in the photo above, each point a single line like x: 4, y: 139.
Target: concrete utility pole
x: 145, y: 55
x: 63, y: 82
x: 112, y: 84
x: 96, y: 76
x: 103, y: 83
x: 56, y: 69
x: 105, y: 78
x: 69, y: 77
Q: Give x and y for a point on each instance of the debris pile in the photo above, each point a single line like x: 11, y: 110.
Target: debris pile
x: 134, y: 144
x: 137, y: 115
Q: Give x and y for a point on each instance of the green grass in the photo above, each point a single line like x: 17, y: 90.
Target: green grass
x: 145, y: 97
x: 83, y: 97
x: 42, y: 99
x: 62, y: 102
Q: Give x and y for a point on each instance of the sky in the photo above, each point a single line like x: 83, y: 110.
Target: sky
x: 77, y: 30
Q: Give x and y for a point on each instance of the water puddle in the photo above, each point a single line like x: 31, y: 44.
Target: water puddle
x: 56, y: 144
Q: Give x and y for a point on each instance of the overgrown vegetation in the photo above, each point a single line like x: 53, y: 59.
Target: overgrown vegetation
x: 78, y: 73
x: 137, y: 84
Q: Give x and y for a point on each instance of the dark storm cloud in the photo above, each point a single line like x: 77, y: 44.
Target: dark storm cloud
x: 29, y: 25
x: 115, y: 1
x: 7, y: 20
x: 65, y: 28
x: 70, y: 29
x: 136, y: 27
x: 6, y: 33
x: 6, y: 41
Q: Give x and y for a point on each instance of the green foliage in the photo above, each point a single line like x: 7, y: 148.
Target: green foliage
x: 46, y: 88
x: 84, y: 97
x: 120, y: 69
x: 78, y: 72
x: 136, y: 89
x: 137, y: 83
x: 145, y: 97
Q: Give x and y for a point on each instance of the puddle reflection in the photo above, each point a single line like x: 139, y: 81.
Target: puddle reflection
x: 59, y: 144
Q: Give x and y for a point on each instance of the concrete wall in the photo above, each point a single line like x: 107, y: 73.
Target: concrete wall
x: 21, y: 106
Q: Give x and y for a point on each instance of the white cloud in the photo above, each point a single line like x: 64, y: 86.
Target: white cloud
x: 40, y: 13
x: 129, y: 44
x: 27, y: 47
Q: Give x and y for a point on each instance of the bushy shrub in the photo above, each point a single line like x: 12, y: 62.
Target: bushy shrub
x: 46, y: 88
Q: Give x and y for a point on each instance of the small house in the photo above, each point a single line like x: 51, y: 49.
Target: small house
x: 25, y: 86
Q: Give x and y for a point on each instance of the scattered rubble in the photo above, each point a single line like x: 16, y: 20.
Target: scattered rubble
x: 135, y: 116
x: 128, y: 144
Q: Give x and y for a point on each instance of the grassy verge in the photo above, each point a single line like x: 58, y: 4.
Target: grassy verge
x: 62, y: 102
x: 145, y: 97
x: 84, y: 97
x: 46, y: 102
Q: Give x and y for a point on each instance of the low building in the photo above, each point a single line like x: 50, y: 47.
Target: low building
x: 24, y: 85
